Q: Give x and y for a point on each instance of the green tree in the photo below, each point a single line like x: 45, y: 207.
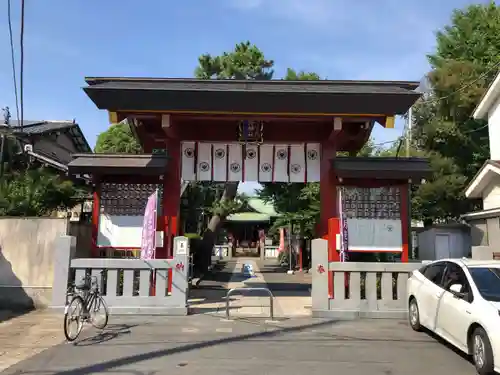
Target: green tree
x: 35, y: 192
x: 464, y: 63
x: 246, y: 61
x: 26, y: 189
x: 292, y: 75
x: 118, y: 139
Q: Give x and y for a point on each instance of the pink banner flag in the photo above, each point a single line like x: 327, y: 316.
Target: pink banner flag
x: 148, y: 243
x: 282, y: 240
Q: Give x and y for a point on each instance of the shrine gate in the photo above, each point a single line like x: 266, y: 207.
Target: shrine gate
x: 265, y: 131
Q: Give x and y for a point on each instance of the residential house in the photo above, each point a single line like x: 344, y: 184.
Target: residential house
x: 52, y: 143
x: 485, y: 224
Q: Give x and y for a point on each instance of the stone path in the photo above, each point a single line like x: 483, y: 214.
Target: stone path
x: 291, y: 297
x: 24, y: 336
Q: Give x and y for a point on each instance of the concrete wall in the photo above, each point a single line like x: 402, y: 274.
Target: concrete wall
x: 483, y: 252
x: 27, y: 260
x: 479, y: 232
x: 83, y: 234
x: 485, y: 232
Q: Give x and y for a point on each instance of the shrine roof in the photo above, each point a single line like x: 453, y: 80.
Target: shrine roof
x: 118, y: 164
x: 274, y: 96
x: 383, y: 168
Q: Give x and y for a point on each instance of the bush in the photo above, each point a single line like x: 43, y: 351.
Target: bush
x: 192, y: 236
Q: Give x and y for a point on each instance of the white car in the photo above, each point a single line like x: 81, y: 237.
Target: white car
x: 459, y: 300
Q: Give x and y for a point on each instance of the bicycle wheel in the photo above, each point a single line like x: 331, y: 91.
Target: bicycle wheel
x: 98, y: 304
x: 73, y: 313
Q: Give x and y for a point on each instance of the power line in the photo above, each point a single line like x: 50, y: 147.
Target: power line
x: 12, y: 54
x: 21, y: 73
x: 463, y: 87
x: 460, y: 89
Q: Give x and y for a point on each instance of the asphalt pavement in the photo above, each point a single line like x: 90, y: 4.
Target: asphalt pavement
x: 209, y: 345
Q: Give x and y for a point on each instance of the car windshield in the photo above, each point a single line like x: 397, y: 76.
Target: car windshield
x: 487, y: 281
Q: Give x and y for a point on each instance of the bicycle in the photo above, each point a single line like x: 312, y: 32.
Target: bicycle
x: 85, y: 302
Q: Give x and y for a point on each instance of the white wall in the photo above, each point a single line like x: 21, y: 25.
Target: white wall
x: 494, y: 130
x: 491, y: 194
x: 123, y: 231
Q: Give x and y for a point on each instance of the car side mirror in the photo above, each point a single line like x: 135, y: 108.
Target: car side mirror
x: 456, y: 290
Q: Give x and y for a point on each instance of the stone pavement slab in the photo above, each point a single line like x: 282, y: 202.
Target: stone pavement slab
x: 209, y: 345
x: 27, y: 335
x: 292, y: 296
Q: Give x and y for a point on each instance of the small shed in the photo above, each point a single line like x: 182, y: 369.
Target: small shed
x: 442, y: 241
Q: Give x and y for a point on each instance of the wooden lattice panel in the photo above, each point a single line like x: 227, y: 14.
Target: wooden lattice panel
x: 127, y: 199
x: 371, y: 203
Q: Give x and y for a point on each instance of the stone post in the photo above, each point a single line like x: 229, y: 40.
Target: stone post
x: 319, y: 269
x: 64, y: 251
x: 180, y: 284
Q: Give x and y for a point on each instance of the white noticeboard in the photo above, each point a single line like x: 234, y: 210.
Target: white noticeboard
x: 181, y: 247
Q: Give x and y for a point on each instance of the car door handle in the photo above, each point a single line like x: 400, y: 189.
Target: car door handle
x: 467, y: 311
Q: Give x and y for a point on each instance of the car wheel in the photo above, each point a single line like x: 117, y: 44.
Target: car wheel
x: 482, y: 354
x: 414, y: 315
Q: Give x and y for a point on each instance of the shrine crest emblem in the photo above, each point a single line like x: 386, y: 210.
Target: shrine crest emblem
x: 250, y: 132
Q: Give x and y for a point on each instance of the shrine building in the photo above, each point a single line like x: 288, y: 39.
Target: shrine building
x: 265, y: 131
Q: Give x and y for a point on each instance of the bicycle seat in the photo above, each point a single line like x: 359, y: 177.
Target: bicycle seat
x: 82, y: 286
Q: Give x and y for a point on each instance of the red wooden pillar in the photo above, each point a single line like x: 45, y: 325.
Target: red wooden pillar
x: 329, y: 223
x: 405, y: 220
x: 328, y: 188
x: 171, y: 197
x: 96, y: 210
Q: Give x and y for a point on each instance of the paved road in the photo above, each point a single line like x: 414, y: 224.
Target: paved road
x: 207, y: 345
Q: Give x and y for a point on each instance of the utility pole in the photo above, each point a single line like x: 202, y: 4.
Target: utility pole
x: 408, y: 132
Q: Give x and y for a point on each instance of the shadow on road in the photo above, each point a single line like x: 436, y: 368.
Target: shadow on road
x: 113, y: 364
x: 111, y: 332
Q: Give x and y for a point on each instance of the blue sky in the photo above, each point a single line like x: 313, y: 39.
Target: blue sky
x: 338, y: 39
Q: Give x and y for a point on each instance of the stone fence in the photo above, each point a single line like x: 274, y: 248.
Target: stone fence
x: 358, y: 289
x: 129, y: 286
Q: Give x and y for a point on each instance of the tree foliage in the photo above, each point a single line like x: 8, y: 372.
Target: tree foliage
x: 462, y: 65
x: 118, y: 139
x: 35, y: 192
x: 246, y: 61
x: 27, y: 189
